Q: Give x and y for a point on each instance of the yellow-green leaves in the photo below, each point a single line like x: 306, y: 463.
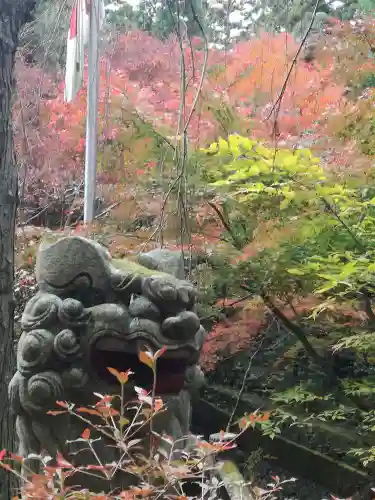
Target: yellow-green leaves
x: 248, y: 168
x: 235, y: 145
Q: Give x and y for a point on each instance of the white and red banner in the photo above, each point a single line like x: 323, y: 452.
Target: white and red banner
x: 77, y: 40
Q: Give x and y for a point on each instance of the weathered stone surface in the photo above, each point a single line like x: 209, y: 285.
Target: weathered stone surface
x: 93, y: 312
x: 164, y: 260
x: 177, y: 263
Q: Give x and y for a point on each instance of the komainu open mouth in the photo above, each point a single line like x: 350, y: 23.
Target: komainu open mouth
x: 171, y: 368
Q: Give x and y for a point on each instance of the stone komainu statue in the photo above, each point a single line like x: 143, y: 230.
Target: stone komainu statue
x: 93, y: 312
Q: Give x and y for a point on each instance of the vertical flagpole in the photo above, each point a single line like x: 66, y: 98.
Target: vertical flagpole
x: 92, y: 113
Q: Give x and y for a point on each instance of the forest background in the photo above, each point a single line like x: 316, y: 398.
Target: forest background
x: 243, y: 134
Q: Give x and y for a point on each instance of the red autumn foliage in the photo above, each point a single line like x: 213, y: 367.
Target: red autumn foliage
x: 231, y: 336
x: 140, y: 78
x: 257, y: 72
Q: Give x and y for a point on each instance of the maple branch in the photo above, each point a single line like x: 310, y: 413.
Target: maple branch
x: 358, y: 242
x: 226, y: 307
x: 301, y: 335
x: 298, y: 332
x: 278, y: 101
x: 225, y: 224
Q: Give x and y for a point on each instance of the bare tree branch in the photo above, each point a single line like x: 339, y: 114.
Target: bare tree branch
x: 277, y: 104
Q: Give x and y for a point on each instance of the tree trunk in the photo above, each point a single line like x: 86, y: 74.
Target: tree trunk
x: 13, y: 14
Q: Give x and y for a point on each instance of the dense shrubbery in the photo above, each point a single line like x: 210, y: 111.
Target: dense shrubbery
x: 319, y: 253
